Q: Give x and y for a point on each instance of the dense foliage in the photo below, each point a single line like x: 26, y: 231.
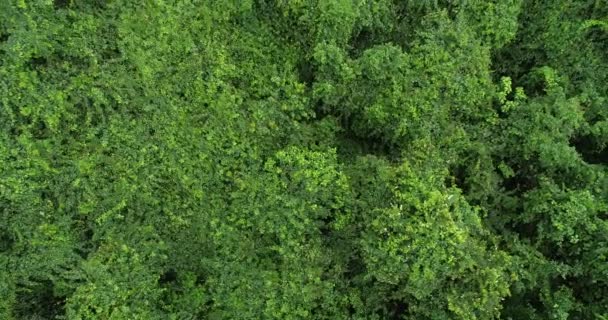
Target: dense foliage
x: 303, y: 159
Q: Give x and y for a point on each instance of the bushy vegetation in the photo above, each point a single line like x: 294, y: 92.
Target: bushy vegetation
x: 303, y: 159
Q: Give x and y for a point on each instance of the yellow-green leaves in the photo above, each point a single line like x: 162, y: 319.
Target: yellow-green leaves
x: 325, y: 159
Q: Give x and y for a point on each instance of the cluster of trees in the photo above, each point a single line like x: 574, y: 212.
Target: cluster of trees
x: 303, y: 159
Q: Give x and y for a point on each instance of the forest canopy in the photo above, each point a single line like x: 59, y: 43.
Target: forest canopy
x: 303, y: 159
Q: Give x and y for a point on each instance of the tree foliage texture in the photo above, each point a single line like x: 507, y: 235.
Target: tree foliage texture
x: 303, y: 159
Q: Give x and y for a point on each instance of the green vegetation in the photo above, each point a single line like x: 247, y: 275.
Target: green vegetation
x: 303, y: 159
